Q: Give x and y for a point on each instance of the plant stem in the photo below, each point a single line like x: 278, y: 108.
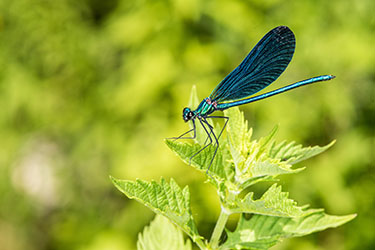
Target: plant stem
x: 219, y: 228
x: 200, y: 243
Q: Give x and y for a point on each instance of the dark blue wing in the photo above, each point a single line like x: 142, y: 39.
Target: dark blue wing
x: 263, y: 65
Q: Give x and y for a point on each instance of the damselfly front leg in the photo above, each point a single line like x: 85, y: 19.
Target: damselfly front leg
x: 181, y: 136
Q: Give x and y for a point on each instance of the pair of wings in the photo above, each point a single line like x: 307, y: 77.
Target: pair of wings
x: 263, y: 65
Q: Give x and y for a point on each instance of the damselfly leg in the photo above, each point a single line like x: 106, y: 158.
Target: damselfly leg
x: 181, y: 136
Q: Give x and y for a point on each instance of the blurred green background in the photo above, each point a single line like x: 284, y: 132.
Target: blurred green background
x: 91, y: 88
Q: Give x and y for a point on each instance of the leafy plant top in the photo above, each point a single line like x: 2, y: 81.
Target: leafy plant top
x: 240, y: 163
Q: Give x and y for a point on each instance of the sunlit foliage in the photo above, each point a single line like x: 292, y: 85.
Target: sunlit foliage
x: 91, y: 88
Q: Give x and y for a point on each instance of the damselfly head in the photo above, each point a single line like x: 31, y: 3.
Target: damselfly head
x: 187, y: 114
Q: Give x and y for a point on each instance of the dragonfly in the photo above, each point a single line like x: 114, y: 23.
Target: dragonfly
x: 262, y: 66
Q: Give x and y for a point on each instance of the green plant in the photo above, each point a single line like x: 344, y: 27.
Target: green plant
x: 240, y: 163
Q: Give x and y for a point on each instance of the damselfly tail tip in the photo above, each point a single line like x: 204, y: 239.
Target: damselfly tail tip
x: 332, y: 77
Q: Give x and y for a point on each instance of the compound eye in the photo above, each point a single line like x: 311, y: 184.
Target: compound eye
x: 186, y: 114
x: 190, y: 115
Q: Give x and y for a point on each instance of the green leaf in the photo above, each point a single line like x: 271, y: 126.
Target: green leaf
x: 318, y: 221
x: 161, y: 235
x: 193, y: 100
x: 264, y: 141
x: 265, y: 170
x: 220, y: 168
x: 251, y: 160
x: 293, y: 153
x: 239, y: 135
x: 247, y: 240
x: 262, y: 232
x: 274, y: 202
x: 167, y: 199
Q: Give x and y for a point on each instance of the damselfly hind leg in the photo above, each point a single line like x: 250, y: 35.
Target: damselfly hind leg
x: 209, y: 133
x: 209, y: 137
x: 225, y: 124
x: 216, y: 142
